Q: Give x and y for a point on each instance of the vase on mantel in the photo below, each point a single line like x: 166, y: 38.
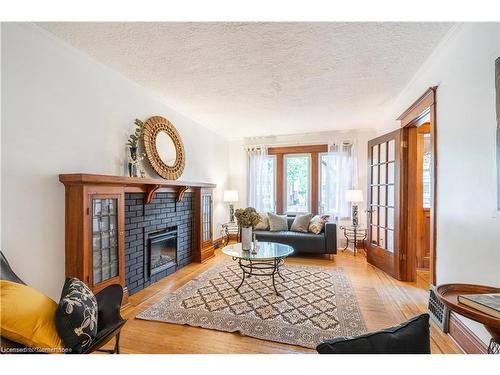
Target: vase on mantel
x: 132, y: 158
x: 246, y: 238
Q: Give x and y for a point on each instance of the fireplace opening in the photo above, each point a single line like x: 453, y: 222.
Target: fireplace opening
x: 162, y: 250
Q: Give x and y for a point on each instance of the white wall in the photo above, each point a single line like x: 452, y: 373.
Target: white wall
x: 62, y: 112
x: 238, y: 159
x: 468, y: 227
x: 1, y: 137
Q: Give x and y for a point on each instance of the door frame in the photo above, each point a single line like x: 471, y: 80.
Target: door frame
x: 423, y: 110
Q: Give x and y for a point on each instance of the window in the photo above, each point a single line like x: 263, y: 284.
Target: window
x: 337, y: 171
x: 297, y: 183
x: 262, y: 181
x: 269, y: 185
x: 323, y: 188
x: 303, y: 178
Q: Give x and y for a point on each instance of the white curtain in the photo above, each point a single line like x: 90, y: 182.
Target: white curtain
x: 341, y: 174
x: 260, y: 179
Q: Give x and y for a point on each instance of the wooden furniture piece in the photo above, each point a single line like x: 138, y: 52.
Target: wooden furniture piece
x: 264, y: 260
x: 203, y: 237
x: 230, y: 230
x: 354, y: 234
x: 448, y: 294
x: 95, y: 223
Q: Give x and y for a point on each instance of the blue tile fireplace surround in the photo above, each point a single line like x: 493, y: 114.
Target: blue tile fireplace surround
x: 158, y: 237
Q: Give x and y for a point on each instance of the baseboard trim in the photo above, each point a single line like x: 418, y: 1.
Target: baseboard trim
x: 217, y: 242
x: 464, y: 337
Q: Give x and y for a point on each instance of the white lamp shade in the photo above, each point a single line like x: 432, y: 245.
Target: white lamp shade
x: 230, y: 195
x: 354, y: 195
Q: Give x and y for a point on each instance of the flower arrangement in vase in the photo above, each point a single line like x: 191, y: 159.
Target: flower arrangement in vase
x: 134, y: 160
x: 247, y: 219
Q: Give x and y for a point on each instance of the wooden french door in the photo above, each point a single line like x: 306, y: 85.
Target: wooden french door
x: 384, y: 176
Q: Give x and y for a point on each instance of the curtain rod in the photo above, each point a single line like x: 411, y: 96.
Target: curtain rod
x: 291, y: 144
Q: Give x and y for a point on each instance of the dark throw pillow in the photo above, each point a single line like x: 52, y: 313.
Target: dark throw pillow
x: 410, y: 337
x: 76, y: 316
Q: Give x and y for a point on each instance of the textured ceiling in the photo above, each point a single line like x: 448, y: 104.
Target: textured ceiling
x: 256, y: 79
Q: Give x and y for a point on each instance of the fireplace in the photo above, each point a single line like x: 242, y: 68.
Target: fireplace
x: 162, y: 249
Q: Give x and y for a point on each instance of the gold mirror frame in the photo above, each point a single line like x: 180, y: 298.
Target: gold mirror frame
x: 152, y: 127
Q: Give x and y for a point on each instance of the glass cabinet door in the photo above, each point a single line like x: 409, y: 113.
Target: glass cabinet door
x: 104, y: 239
x: 206, y: 204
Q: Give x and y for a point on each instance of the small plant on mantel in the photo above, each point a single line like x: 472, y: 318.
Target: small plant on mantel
x: 133, y: 140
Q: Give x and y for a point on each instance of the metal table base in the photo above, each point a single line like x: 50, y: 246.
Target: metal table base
x: 261, y: 268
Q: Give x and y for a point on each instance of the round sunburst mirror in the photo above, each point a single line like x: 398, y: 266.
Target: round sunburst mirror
x: 164, y: 147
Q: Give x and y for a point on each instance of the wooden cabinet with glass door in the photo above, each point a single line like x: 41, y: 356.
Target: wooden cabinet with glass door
x: 95, y: 243
x: 204, y: 249
x: 105, y: 244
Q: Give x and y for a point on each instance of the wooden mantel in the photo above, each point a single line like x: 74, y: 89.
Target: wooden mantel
x: 84, y: 238
x: 150, y: 186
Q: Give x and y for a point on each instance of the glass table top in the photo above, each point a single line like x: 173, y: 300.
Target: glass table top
x: 352, y: 227
x: 265, y: 250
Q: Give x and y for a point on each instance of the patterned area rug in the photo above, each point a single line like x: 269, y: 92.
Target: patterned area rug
x: 316, y: 303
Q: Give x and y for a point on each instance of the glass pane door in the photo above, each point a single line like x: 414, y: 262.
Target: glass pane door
x: 426, y: 171
x: 297, y: 183
x: 383, y: 197
x: 206, y: 203
x: 104, y: 239
x: 382, y: 194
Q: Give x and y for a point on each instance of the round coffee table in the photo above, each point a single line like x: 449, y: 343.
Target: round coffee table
x: 266, y: 261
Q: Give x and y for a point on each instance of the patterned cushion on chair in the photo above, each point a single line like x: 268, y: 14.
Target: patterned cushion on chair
x: 76, y: 315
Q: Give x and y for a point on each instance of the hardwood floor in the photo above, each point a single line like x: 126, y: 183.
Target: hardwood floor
x: 383, y: 301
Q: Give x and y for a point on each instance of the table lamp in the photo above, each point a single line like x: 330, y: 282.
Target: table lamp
x: 231, y: 196
x: 354, y: 196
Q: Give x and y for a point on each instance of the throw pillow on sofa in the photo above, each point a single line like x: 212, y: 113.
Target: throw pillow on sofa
x: 76, y: 315
x: 277, y: 222
x: 301, y: 223
x: 27, y: 317
x: 263, y: 224
x: 317, y: 223
x: 410, y: 337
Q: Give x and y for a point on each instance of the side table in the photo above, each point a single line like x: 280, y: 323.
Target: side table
x: 353, y: 234
x: 229, y: 229
x: 448, y: 294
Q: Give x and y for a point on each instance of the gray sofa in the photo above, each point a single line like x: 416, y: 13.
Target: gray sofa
x: 322, y: 243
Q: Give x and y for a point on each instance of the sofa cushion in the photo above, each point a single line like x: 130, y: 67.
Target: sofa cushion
x: 27, y: 317
x: 277, y: 222
x: 301, y: 242
x: 410, y: 337
x: 263, y: 224
x: 317, y: 223
x: 76, y: 316
x: 301, y: 223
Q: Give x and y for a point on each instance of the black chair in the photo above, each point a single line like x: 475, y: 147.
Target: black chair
x: 410, y: 337
x: 109, y: 320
